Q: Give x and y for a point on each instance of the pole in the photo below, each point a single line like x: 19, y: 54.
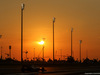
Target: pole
x: 43, y: 49
x: 80, y: 50
x: 21, y: 35
x: 22, y: 32
x: 61, y: 54
x: 26, y: 55
x: 53, y: 38
x: 43, y: 53
x: 10, y: 52
x: 1, y: 48
x: 71, y: 41
x: 34, y: 53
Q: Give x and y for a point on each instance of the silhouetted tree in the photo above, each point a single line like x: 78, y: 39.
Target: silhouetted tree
x: 95, y: 60
x: 86, y: 61
x: 49, y: 60
x: 55, y: 60
x: 70, y: 59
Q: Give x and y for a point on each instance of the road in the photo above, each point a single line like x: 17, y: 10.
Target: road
x: 52, y: 71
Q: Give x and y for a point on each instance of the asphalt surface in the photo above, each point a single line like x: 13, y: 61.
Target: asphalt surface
x: 53, y: 71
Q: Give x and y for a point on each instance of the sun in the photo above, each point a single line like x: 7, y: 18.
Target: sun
x: 41, y: 43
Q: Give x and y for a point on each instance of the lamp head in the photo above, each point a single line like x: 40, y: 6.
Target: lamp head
x: 80, y: 41
x: 53, y: 19
x: 22, y: 6
x: 71, y: 29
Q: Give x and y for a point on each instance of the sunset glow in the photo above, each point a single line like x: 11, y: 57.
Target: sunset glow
x: 41, y: 43
x: 83, y: 16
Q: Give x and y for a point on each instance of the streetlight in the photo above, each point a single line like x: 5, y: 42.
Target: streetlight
x: 53, y: 37
x: 42, y: 43
x: 34, y: 54
x: 10, y: 51
x: 61, y: 54
x: 22, y: 8
x: 1, y: 48
x: 71, y: 40
x: 80, y: 49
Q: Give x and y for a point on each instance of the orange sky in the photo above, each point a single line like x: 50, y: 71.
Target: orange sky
x: 82, y: 15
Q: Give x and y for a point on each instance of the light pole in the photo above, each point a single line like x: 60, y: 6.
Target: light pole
x: 22, y: 8
x: 43, y: 48
x: 34, y: 54
x: 43, y: 53
x: 71, y: 40
x: 42, y: 43
x: 61, y: 54
x: 10, y: 51
x: 1, y: 48
x: 80, y: 49
x: 53, y: 37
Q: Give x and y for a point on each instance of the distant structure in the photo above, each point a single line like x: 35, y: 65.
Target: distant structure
x: 26, y: 52
x: 53, y: 37
x: 71, y: 41
x: 80, y: 49
x: 22, y: 8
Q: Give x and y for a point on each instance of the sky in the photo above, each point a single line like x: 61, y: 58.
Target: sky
x: 81, y: 15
